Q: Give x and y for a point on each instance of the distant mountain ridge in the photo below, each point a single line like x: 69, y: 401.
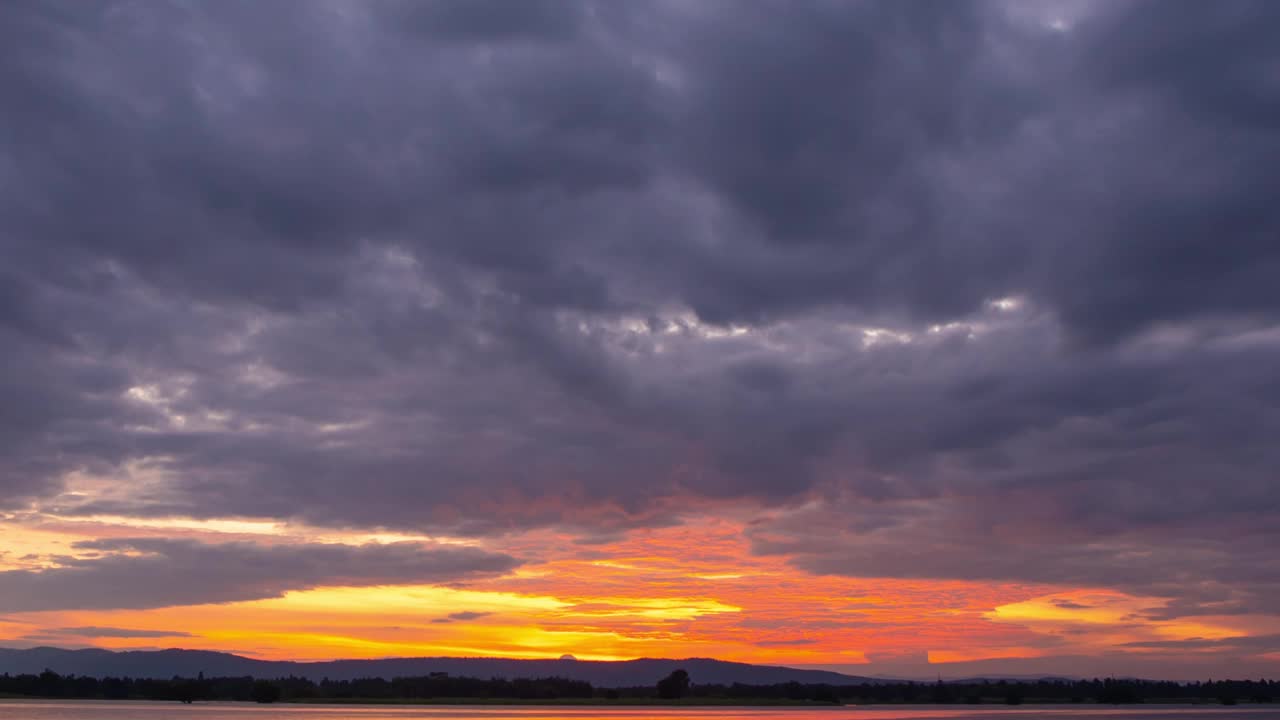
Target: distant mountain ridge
x: 189, y: 663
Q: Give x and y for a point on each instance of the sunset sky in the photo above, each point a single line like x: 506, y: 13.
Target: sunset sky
x: 887, y: 337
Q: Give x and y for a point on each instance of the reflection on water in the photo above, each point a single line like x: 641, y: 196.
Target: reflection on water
x: 89, y: 710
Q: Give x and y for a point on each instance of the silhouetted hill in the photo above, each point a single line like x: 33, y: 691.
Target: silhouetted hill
x: 189, y: 663
x: 1007, y: 678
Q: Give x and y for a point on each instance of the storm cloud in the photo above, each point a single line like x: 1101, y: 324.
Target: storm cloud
x: 953, y: 289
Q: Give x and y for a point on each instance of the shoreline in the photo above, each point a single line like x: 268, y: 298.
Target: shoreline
x: 652, y: 702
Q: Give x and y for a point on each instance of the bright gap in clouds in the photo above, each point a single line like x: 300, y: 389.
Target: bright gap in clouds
x: 693, y: 588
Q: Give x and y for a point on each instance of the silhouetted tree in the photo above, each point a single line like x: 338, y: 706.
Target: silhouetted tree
x: 909, y: 692
x: 1118, y: 692
x: 186, y: 691
x: 941, y: 693
x: 826, y: 694
x: 265, y: 691
x: 675, y: 685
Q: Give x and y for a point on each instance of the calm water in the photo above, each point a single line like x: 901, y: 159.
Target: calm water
x: 48, y: 710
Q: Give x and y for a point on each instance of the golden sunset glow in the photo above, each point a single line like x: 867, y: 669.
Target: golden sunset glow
x: 688, y: 590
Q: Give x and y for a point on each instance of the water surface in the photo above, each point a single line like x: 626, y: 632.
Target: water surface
x: 93, y: 710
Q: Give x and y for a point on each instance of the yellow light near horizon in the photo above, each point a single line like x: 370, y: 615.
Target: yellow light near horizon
x: 495, y: 641
x: 1187, y: 629
x: 1110, y: 619
x: 1095, y: 607
x: 420, y: 600
x: 696, y: 589
x: 674, y: 607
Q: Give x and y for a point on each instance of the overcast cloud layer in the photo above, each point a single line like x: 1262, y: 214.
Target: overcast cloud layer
x: 945, y: 289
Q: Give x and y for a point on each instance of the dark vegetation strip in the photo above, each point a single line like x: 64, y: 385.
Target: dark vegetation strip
x: 676, y: 688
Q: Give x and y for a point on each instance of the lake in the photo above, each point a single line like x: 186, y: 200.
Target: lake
x: 91, y: 710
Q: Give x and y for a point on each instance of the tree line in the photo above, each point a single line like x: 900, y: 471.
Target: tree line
x: 49, y: 684
x: 1011, y: 692
x: 677, y: 685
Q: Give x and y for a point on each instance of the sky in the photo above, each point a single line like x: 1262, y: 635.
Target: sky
x: 887, y: 337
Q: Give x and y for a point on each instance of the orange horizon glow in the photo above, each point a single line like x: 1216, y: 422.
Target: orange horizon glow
x: 693, y: 590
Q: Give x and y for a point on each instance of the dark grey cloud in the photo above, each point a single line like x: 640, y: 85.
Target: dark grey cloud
x: 114, y: 632
x: 996, y: 299
x: 1182, y: 145
x: 826, y: 137
x: 149, y: 572
x: 1261, y: 644
x: 461, y: 616
x: 488, y: 21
